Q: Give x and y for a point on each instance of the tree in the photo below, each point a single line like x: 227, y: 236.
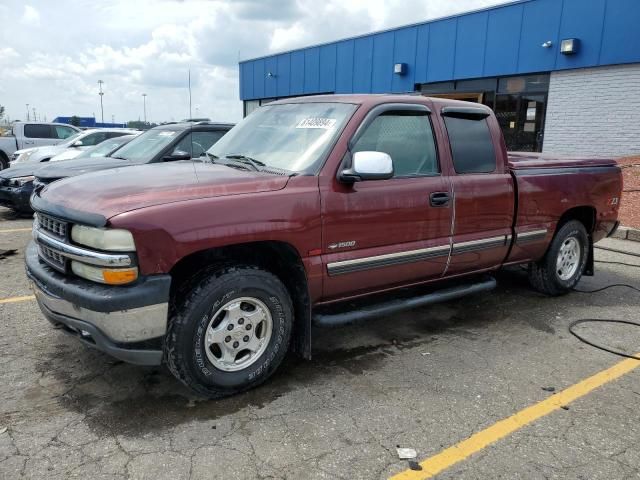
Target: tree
x: 1, y: 112
x: 140, y: 125
x: 75, y: 121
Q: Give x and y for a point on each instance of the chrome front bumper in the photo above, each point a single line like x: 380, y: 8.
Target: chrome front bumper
x: 124, y: 326
x: 128, y: 323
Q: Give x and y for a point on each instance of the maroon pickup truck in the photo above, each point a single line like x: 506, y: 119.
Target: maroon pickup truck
x: 218, y: 268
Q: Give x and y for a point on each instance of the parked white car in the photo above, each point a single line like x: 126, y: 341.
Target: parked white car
x: 70, y: 148
x: 26, y: 135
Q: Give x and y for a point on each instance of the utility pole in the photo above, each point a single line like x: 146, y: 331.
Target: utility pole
x: 28, y: 112
x: 144, y: 106
x: 35, y: 118
x: 190, y: 116
x: 101, y: 93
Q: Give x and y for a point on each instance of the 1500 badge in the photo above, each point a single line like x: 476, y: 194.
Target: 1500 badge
x: 349, y: 244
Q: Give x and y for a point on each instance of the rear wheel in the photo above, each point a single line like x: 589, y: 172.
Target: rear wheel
x: 231, y: 331
x: 561, y: 268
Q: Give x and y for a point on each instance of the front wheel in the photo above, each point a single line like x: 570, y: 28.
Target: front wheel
x: 231, y: 332
x: 561, y: 268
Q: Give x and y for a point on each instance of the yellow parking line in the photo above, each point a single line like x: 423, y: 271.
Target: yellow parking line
x: 12, y: 230
x: 17, y: 299
x: 478, y: 441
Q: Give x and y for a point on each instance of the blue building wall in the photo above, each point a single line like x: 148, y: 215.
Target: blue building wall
x: 90, y: 122
x: 498, y: 41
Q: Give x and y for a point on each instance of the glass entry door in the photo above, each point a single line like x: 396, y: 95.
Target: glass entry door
x: 521, y: 117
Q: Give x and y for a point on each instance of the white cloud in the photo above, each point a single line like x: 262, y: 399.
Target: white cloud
x: 31, y: 16
x: 148, y: 46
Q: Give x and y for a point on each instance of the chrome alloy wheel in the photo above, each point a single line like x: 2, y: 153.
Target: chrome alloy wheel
x: 568, y: 258
x: 238, y: 334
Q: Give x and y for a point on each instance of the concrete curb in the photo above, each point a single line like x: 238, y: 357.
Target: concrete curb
x: 626, y: 233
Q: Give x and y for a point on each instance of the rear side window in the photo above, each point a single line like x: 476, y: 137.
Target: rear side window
x: 37, y: 131
x: 407, y: 137
x: 471, y: 145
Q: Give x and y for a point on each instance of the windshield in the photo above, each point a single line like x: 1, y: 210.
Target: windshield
x: 292, y: 137
x: 146, y: 146
x: 105, y: 148
x: 70, y: 140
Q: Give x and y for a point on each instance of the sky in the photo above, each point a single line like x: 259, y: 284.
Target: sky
x: 52, y: 53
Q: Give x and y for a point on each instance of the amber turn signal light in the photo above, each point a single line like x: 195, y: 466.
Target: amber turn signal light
x: 120, y: 276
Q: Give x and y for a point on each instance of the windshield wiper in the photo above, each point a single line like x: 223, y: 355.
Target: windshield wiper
x: 256, y: 164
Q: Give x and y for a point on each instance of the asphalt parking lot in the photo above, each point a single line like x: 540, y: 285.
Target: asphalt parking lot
x: 427, y: 379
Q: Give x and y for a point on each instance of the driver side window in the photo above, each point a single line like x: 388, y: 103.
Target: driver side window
x: 197, y: 143
x: 407, y: 137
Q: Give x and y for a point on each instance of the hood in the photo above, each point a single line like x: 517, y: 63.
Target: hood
x: 19, y: 170
x: 68, y: 154
x: 111, y: 192
x: 39, y: 153
x: 71, y: 168
x: 25, y: 150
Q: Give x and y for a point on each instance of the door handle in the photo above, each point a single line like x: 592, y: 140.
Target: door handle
x: 439, y: 199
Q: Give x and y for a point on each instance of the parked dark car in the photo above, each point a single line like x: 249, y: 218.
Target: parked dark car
x: 165, y: 143
x: 16, y: 183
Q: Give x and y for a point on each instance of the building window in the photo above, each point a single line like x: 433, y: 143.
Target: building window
x: 518, y: 102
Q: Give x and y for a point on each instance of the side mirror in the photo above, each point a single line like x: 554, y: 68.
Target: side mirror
x: 368, y: 166
x: 77, y: 143
x: 177, y: 155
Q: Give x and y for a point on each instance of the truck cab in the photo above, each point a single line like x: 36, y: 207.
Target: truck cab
x: 32, y: 135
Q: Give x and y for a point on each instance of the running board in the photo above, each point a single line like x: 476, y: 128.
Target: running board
x: 395, y: 306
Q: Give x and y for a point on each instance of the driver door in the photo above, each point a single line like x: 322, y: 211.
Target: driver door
x: 383, y: 233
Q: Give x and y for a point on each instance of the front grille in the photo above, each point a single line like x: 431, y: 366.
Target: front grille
x: 52, y: 225
x: 53, y: 258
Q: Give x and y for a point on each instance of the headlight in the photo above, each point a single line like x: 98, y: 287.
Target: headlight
x: 20, y: 181
x: 109, y: 239
x: 23, y: 157
x: 110, y: 276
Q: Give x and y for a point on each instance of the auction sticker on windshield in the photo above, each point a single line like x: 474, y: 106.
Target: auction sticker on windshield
x: 317, y: 122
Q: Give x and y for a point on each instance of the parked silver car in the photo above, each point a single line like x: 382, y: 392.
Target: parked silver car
x: 70, y: 148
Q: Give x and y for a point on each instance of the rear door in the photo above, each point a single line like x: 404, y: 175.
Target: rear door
x: 482, y: 190
x: 383, y: 233
x: 37, y: 135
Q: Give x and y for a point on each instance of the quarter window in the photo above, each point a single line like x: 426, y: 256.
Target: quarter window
x: 471, y: 145
x: 407, y: 138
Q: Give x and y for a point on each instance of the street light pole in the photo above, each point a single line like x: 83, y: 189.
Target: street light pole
x: 144, y: 106
x: 28, y: 112
x: 101, y: 93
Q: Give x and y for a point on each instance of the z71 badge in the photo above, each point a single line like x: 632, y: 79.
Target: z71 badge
x: 349, y: 244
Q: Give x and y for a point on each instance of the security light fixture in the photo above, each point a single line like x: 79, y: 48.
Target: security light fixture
x: 271, y: 75
x: 400, y: 68
x: 569, y: 46
x: 547, y: 44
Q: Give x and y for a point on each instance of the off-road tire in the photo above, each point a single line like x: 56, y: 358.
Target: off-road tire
x: 543, y: 275
x: 188, y: 319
